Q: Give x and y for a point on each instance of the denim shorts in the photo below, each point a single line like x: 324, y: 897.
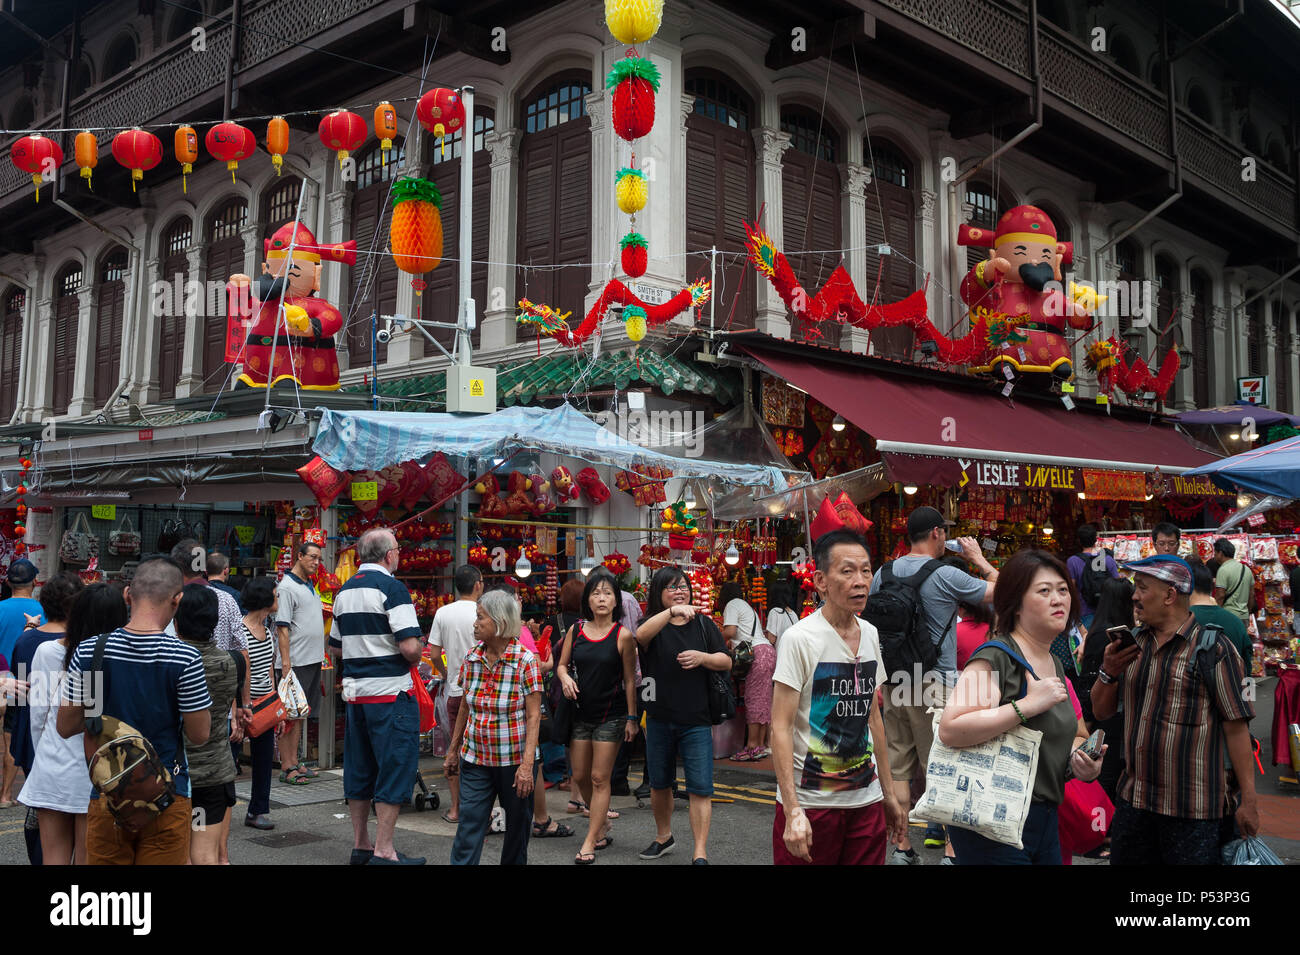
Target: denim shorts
x: 610, y: 731
x: 381, y: 750
x: 665, y: 742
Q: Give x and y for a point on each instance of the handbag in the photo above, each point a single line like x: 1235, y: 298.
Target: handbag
x: 78, y: 545
x: 986, y: 788
x: 125, y: 540
x: 743, y: 658
x: 268, y: 713
x: 168, y: 535
x: 296, y: 704
x: 722, y: 693
x: 428, y: 714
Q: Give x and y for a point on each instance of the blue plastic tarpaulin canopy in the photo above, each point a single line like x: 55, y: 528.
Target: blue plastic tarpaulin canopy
x: 357, y: 440
x: 1273, y: 469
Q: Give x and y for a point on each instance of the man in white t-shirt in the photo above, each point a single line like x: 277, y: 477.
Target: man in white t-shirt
x: 453, y: 631
x: 828, y: 740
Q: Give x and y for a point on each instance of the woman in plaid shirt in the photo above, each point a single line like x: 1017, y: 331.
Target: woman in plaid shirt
x: 495, y: 733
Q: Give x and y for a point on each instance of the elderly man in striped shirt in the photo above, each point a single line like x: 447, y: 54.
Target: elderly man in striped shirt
x: 379, y: 640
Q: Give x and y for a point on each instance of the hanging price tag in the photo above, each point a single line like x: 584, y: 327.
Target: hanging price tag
x: 1067, y: 388
x: 1007, y: 389
x: 104, y: 512
x: 1255, y: 520
x: 1068, y: 402
x: 365, y: 490
x: 245, y: 534
x: 1007, y: 372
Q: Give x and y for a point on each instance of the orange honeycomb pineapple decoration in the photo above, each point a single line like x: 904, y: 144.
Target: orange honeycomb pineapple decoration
x: 415, y: 233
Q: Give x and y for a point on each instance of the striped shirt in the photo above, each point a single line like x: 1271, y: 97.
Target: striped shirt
x: 261, y: 659
x: 149, y: 681
x: 229, y: 634
x: 373, y: 614
x: 495, y: 696
x: 1173, y: 725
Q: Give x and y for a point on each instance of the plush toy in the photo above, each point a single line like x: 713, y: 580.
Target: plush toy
x: 562, y: 481
x: 491, y: 505
x: 542, y: 500
x: 679, y: 523
x: 593, y: 486
x: 517, y: 500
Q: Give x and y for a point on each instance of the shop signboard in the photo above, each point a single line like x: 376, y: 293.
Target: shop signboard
x: 1021, y: 476
x: 1253, y: 389
x: 1199, y: 486
x: 1115, y: 485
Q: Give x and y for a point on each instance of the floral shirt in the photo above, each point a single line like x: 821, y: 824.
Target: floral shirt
x: 496, y: 724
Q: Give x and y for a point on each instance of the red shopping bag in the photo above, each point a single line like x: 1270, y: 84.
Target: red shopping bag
x: 427, y: 719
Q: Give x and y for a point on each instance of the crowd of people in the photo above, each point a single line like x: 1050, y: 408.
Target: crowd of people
x: 848, y: 701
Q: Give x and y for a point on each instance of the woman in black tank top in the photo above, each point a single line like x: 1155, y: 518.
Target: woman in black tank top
x: 597, y: 672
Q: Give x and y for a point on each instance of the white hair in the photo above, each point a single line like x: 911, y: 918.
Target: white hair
x: 504, y: 611
x: 374, y: 545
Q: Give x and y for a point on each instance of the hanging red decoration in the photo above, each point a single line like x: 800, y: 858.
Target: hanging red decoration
x: 634, y: 81
x: 634, y: 256
x: 38, y: 156
x: 694, y: 295
x: 342, y: 131
x: 185, y: 144
x: 442, y: 112
x: 230, y: 142
x: 137, y: 150
x: 277, y: 141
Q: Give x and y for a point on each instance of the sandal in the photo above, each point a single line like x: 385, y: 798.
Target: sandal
x: 582, y: 807
x: 743, y: 756
x: 585, y: 858
x: 293, y: 777
x: 605, y: 842
x: 609, y: 813
x: 543, y: 830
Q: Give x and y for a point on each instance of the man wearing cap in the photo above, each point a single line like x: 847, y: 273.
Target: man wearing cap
x: 13, y: 619
x: 303, y: 341
x: 909, y: 727
x: 1013, y: 282
x: 1179, y: 711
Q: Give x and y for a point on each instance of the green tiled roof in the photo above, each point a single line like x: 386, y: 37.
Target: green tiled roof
x: 165, y: 418
x: 522, y: 383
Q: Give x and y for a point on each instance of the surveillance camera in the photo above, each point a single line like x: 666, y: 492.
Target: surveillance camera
x: 384, y: 336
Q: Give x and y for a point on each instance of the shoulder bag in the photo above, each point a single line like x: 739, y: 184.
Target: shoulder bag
x: 722, y: 694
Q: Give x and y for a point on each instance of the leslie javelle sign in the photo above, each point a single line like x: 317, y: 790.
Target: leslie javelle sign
x: 1021, y: 476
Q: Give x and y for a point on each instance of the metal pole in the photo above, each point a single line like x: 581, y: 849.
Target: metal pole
x: 713, y: 283
x: 463, y: 339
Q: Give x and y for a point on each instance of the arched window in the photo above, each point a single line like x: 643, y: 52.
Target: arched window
x: 1128, y: 257
x: 84, y: 77
x: 110, y: 303
x: 11, y: 349
x: 554, y: 212
x: 281, y: 203
x: 1198, y: 104
x: 891, y: 221
x: 23, y: 115
x: 810, y: 200
x: 184, y: 19
x: 441, y: 302
x: 1281, y: 332
x: 1167, y: 289
x: 720, y: 189
x: 224, y: 258
x: 374, y: 278
x: 177, y: 240
x: 66, y: 306
x: 1202, y: 358
x: 987, y: 206
x: 121, y: 54
x: 1125, y: 54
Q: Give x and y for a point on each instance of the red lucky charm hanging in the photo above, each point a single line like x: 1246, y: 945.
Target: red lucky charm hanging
x: 634, y: 81
x: 230, y: 143
x: 342, y: 131
x: 442, y: 112
x: 634, y: 257
x: 37, y: 155
x: 137, y: 150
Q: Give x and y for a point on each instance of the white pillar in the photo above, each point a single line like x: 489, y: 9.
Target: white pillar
x: 769, y: 144
x: 149, y: 321
x: 853, y: 214
x: 1221, y: 369
x: 606, y: 148
x: 1185, y: 383
x: 40, y: 387
x: 499, y: 330
x: 1294, y: 369
x: 196, y: 314
x: 83, y: 377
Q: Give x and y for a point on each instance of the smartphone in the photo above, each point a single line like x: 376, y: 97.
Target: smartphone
x: 953, y: 546
x: 1123, y: 634
x: 1092, y: 746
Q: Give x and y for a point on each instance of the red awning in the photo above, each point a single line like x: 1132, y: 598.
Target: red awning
x: 908, y: 416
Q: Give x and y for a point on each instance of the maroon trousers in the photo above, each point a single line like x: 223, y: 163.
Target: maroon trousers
x: 840, y: 836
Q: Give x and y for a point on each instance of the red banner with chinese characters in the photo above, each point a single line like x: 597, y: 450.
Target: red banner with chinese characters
x: 1115, y: 485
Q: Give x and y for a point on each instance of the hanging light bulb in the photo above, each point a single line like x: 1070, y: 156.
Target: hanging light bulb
x: 1149, y: 497
x: 839, y: 424
x: 1048, y: 529
x: 732, y: 556
x: 1243, y: 500
x: 1235, y: 436
x: 690, y: 498
x: 909, y: 489
x: 523, y: 566
x: 1082, y: 496
x: 587, y: 566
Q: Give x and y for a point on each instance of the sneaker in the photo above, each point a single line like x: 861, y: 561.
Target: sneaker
x: 948, y: 860
x: 498, y: 821
x: 934, y: 836
x: 260, y: 821
x: 899, y: 857
x: 642, y: 791
x: 700, y: 861
x: 658, y: 849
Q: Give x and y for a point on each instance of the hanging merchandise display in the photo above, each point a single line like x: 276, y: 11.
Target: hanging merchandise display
x: 138, y: 151
x: 680, y: 525
x: 86, y: 150
x: 185, y: 144
x: 633, y: 256
x: 325, y: 483
x: 633, y: 21
x: 20, y: 510
x: 592, y: 486
x: 303, y: 339
x: 36, y: 155
x: 343, y: 132
x: 415, y: 231
x: 385, y: 127
x: 634, y: 81
x: 230, y: 143
x: 277, y: 141
x: 442, y: 112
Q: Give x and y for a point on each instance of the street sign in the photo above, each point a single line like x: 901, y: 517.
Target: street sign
x: 145, y: 434
x: 651, y: 294
x: 1253, y: 389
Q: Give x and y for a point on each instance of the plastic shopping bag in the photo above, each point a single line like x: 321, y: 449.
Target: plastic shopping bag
x: 1249, y: 851
x: 294, y: 698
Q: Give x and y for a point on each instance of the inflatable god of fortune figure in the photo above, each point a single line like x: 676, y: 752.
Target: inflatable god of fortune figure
x: 302, y: 334
x: 1014, y: 282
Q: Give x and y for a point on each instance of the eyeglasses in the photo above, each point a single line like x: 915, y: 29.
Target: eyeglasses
x: 681, y: 585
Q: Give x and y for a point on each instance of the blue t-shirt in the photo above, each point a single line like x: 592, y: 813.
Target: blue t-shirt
x: 149, y: 681
x: 20, y: 742
x: 12, y: 622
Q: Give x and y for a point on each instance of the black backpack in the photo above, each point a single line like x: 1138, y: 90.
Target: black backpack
x: 1091, y: 579
x: 897, y: 613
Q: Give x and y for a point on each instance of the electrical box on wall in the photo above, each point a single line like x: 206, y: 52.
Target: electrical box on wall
x: 471, y: 390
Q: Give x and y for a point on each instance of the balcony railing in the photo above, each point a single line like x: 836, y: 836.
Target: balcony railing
x: 1071, y: 72
x: 177, y: 74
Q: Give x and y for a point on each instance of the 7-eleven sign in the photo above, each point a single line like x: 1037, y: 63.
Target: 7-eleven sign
x: 1253, y: 389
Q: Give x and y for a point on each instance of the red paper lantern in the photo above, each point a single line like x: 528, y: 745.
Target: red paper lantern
x: 230, y: 143
x: 137, y: 150
x: 36, y: 154
x: 343, y: 132
x: 441, y: 112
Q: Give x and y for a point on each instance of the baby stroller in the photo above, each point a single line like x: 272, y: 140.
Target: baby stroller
x: 426, y: 797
